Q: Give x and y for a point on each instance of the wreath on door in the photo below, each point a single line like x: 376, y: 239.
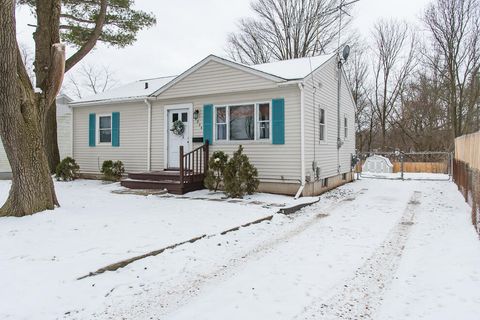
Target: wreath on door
x: 178, y: 128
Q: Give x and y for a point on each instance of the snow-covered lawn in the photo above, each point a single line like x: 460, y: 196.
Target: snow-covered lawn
x: 42, y: 255
x: 373, y: 249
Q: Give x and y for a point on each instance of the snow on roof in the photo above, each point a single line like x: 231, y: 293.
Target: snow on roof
x: 294, y: 68
x: 134, y: 90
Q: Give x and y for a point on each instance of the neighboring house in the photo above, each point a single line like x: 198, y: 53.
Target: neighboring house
x: 64, y: 134
x: 283, y: 113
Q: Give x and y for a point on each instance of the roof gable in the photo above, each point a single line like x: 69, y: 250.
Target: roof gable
x: 214, y: 75
x: 212, y: 59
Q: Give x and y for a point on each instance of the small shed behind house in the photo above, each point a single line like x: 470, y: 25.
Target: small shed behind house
x: 377, y: 164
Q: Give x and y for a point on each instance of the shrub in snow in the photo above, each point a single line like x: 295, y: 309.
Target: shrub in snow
x: 67, y: 170
x: 240, y: 176
x: 112, y: 170
x: 216, y: 167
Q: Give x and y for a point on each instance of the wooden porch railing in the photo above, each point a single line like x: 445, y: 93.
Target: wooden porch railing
x: 194, y: 164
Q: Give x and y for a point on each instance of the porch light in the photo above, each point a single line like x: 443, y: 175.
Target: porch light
x: 195, y: 114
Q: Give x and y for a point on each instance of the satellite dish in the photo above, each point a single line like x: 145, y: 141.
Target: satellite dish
x: 346, y: 52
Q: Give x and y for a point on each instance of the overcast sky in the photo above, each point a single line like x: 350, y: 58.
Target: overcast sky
x: 189, y: 30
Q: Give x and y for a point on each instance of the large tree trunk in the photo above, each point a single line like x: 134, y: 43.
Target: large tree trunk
x: 21, y: 127
x: 51, y: 140
x: 32, y: 186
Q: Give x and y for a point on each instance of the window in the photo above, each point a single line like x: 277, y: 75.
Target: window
x: 324, y: 182
x: 322, y: 125
x: 105, y: 129
x: 345, y: 125
x: 221, y: 121
x: 344, y: 176
x: 263, y: 121
x: 243, y: 122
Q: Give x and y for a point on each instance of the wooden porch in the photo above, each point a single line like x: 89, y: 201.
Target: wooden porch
x: 189, y: 177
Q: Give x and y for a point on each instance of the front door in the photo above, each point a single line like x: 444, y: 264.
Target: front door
x: 177, y: 135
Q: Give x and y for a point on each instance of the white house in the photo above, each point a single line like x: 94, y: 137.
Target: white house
x: 64, y: 134
x: 284, y: 113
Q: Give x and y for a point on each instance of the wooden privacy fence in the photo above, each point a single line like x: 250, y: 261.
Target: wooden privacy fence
x: 428, y: 167
x: 467, y: 149
x: 414, y: 167
x: 466, y: 172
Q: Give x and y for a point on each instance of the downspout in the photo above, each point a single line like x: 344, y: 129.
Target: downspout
x: 72, y: 140
x: 339, y: 122
x: 302, y: 140
x: 149, y: 134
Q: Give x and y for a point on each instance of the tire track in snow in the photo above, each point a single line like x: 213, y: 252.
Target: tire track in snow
x: 360, y: 296
x: 171, y: 299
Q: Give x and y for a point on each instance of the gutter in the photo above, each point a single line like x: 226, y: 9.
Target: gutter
x: 149, y: 134
x: 302, y: 140
x: 104, y: 102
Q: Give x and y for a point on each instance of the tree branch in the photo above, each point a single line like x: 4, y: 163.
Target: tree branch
x: 90, y: 44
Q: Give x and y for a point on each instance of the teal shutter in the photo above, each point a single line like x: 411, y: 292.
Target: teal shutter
x: 115, y: 129
x: 208, y: 123
x: 91, y: 129
x: 278, y: 121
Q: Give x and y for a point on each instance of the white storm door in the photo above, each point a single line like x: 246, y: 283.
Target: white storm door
x: 174, y: 140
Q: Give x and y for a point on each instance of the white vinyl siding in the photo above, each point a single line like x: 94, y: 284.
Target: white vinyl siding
x: 325, y: 153
x: 133, y: 147
x: 216, y: 78
x: 274, y: 162
x: 64, y: 135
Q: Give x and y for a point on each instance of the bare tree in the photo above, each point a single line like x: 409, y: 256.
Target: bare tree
x: 357, y: 71
x: 286, y: 29
x: 394, y: 48
x: 90, y: 79
x: 454, y: 27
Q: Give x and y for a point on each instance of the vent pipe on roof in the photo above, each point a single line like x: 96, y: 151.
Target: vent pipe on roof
x: 146, y: 85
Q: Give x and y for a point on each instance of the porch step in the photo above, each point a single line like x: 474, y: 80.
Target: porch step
x: 171, y: 185
x: 160, y: 180
x: 155, y: 175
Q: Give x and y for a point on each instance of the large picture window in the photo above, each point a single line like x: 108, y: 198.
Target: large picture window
x: 243, y: 122
x: 105, y: 129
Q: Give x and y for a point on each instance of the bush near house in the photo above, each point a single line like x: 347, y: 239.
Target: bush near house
x: 112, y: 170
x: 216, y: 167
x: 67, y: 170
x: 240, y: 176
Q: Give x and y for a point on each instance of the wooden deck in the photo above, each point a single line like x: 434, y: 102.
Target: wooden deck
x: 159, y: 180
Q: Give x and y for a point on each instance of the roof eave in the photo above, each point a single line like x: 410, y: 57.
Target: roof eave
x: 106, y: 101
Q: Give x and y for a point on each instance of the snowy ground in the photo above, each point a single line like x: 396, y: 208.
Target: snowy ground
x: 374, y: 249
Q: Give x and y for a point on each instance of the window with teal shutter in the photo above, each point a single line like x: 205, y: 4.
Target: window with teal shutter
x: 208, y: 123
x: 91, y: 129
x: 115, y: 129
x: 278, y: 121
